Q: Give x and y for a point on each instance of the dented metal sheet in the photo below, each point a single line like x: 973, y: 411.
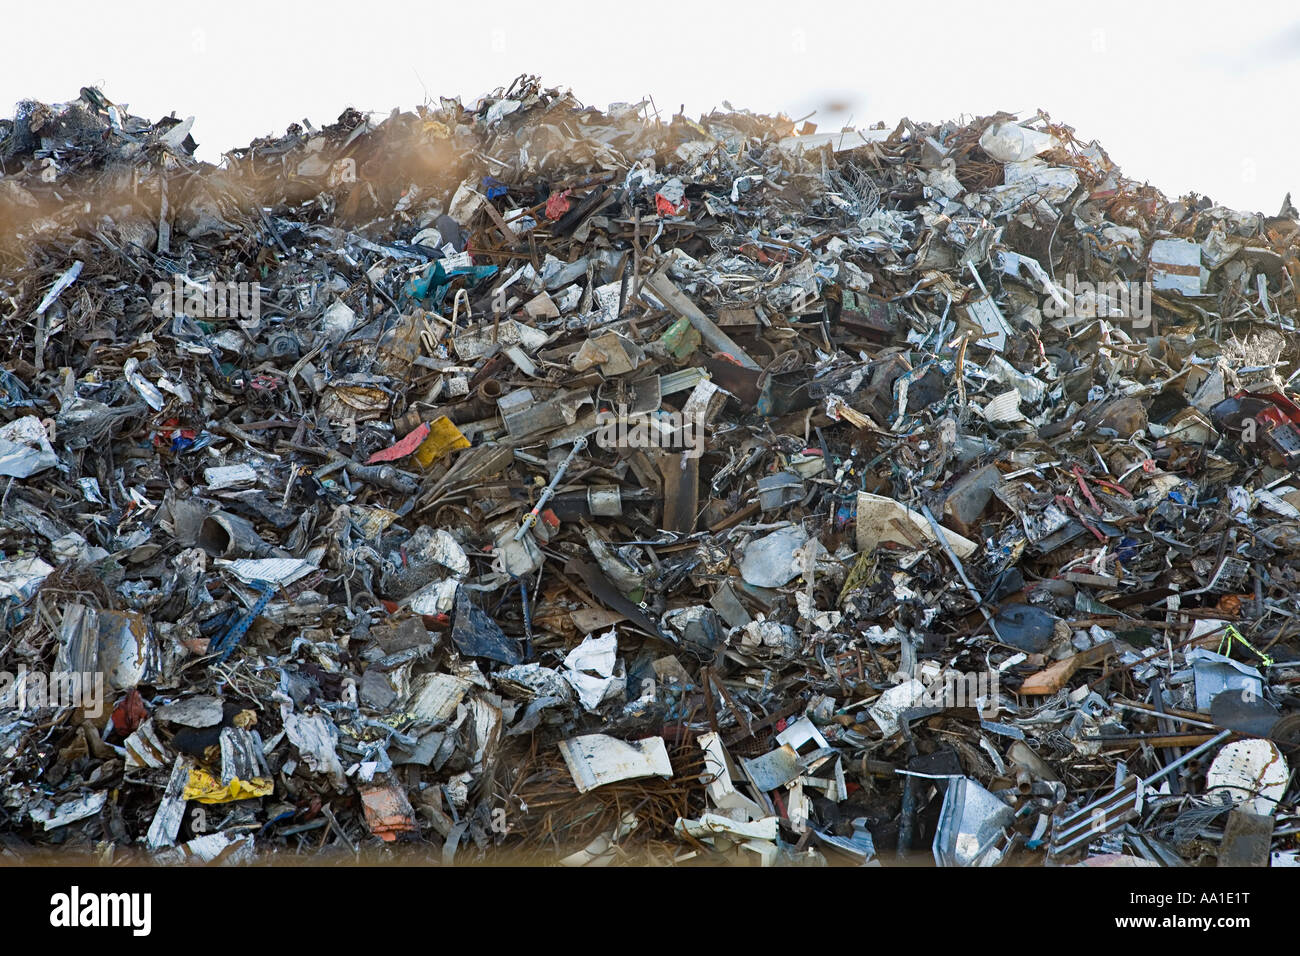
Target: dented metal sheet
x: 595, y: 760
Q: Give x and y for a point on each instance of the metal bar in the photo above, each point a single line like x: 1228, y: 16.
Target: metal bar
x: 961, y: 572
x: 1112, y: 802
x: 663, y: 288
x: 531, y: 518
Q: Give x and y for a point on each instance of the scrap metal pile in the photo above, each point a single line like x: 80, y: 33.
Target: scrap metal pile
x: 527, y: 481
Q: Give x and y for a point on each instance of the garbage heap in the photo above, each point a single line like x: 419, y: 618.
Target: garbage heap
x: 528, y: 481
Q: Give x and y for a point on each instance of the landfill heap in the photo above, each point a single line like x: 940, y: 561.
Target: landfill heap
x: 525, y: 481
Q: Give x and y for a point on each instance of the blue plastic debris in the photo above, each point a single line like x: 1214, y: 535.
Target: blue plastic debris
x: 228, y: 641
x: 431, y: 287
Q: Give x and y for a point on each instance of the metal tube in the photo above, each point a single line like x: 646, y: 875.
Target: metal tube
x: 531, y: 518
x: 961, y: 572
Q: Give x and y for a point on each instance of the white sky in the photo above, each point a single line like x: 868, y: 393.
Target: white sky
x: 1188, y: 96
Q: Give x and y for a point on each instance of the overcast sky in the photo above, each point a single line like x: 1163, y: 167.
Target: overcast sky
x: 1188, y: 96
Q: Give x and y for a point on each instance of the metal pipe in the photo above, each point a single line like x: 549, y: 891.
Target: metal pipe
x: 961, y: 572
x: 531, y: 518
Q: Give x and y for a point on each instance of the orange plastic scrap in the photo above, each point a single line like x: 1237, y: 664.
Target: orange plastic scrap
x: 388, y: 812
x: 403, y: 448
x: 557, y: 204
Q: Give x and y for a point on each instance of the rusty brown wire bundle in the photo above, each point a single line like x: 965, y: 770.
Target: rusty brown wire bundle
x: 39, y: 629
x: 558, y: 820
